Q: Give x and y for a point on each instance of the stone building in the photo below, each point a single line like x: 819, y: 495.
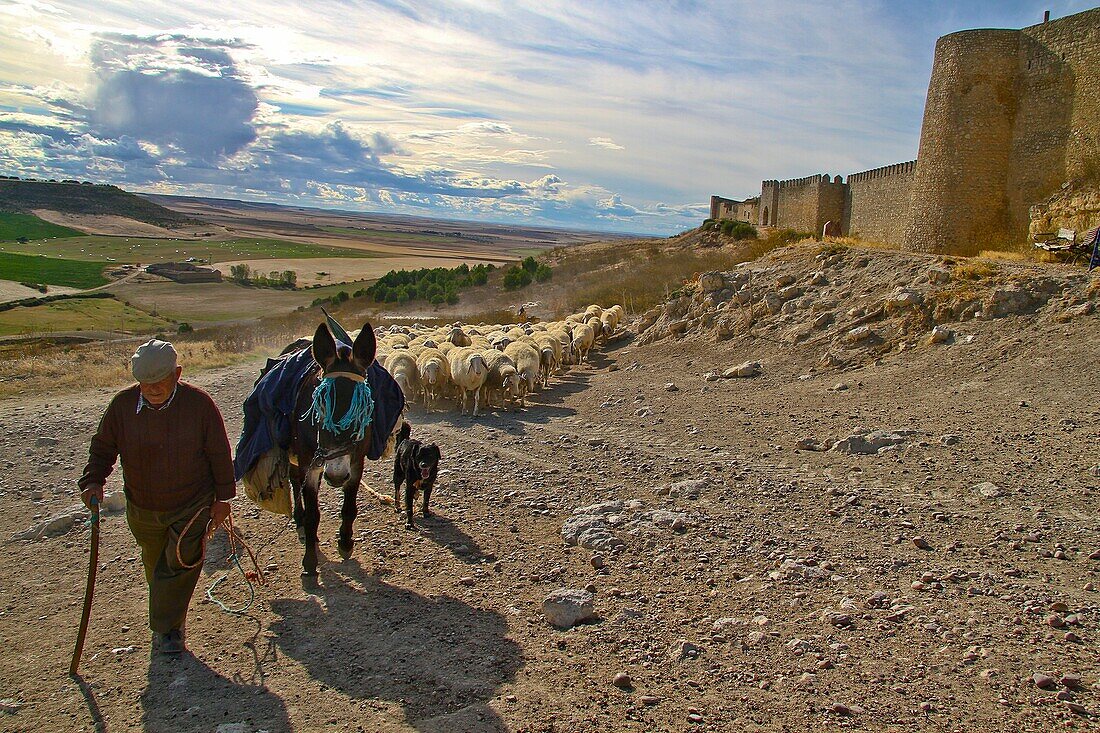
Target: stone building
x: 1011, y: 116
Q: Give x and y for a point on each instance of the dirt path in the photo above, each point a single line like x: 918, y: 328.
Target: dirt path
x: 785, y: 602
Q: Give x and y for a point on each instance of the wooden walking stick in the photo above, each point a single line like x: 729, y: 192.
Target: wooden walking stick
x: 93, y: 565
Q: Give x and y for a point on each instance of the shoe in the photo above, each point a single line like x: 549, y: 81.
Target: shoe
x: 172, y: 643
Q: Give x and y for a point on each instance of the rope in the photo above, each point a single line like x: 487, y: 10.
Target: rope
x: 236, y: 544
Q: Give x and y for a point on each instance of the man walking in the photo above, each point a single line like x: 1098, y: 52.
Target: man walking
x: 176, y: 466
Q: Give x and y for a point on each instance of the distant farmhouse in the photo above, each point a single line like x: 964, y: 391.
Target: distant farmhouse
x: 184, y: 272
x: 1011, y: 116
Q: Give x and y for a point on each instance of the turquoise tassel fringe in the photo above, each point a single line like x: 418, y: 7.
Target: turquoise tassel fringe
x: 357, y: 418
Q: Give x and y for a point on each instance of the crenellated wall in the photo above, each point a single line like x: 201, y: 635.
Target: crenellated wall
x: 806, y: 203
x: 878, y: 203
x: 1010, y: 116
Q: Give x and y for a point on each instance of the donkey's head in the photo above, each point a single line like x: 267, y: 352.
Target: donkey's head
x: 343, y: 406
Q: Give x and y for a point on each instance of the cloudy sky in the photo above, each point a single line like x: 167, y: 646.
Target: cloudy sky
x: 618, y: 115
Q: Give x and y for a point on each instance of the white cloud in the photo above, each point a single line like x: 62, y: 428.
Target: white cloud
x: 605, y: 142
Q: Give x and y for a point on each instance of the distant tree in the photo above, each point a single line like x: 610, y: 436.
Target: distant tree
x: 543, y: 273
x: 530, y: 264
x: 516, y: 278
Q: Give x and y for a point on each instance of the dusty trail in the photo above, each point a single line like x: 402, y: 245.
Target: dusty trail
x: 793, y: 596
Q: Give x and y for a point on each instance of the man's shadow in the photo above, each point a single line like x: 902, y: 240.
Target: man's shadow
x: 183, y: 694
x: 439, y: 658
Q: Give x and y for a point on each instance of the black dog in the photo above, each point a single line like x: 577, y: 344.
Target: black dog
x: 415, y: 465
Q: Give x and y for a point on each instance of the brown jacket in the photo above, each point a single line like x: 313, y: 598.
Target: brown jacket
x: 170, y: 457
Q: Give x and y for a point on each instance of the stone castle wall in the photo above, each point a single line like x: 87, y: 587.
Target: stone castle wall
x: 1010, y: 116
x: 806, y: 203
x: 875, y: 198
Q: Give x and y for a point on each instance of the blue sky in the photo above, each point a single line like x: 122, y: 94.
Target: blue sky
x: 617, y: 115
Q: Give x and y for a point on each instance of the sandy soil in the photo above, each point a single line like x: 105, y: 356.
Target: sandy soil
x: 350, y: 269
x: 12, y: 290
x: 795, y: 597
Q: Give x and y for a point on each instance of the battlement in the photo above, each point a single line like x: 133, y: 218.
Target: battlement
x: 1010, y: 115
x: 897, y: 169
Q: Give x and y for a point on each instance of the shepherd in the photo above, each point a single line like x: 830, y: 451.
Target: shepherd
x: 177, y: 477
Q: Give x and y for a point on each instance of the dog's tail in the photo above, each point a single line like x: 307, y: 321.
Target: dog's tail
x: 405, y: 432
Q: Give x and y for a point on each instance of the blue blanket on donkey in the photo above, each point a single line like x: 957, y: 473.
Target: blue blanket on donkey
x: 269, y: 409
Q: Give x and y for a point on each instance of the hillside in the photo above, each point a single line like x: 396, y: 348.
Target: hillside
x: 875, y: 530
x: 86, y: 199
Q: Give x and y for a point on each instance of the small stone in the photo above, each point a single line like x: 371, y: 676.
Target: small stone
x: 671, y: 387
x: 622, y: 681
x: 1071, y: 681
x: 649, y: 700
x: 839, y: 708
x: 1044, y: 681
x: 1071, y: 637
x: 466, y: 580
x: 712, y: 376
x: 988, y: 490
x: 566, y: 607
x: 695, y: 718
x: 598, y: 561
x: 683, y: 649
x: 941, y: 335
x: 743, y: 371
x: 1056, y: 621
x: 927, y: 706
x: 1075, y: 707
x: 950, y: 439
x: 920, y: 543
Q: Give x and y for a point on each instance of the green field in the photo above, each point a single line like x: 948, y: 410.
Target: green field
x: 78, y: 314
x: 51, y: 271
x: 14, y: 226
x: 147, y: 249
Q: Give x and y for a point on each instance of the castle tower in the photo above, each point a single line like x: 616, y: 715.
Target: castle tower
x: 959, y: 198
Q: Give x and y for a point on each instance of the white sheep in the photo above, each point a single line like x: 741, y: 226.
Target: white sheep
x: 503, y: 381
x: 526, y: 358
x: 402, y: 367
x: 583, y: 339
x: 469, y: 373
x: 435, y: 375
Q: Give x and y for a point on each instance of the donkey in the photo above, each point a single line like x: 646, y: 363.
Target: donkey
x: 330, y: 435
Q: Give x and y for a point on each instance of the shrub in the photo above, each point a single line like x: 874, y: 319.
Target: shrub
x: 543, y: 273
x: 185, y: 328
x: 530, y: 264
x: 516, y: 278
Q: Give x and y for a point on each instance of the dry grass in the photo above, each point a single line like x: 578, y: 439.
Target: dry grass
x: 640, y: 275
x: 38, y: 366
x: 973, y: 270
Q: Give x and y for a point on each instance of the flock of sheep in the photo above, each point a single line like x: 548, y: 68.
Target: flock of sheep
x: 494, y: 366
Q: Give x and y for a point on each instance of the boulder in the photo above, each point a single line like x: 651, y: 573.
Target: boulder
x: 868, y: 443
x: 710, y: 282
x: 988, y: 490
x: 742, y: 371
x: 858, y: 334
x: 566, y: 607
x: 941, y: 335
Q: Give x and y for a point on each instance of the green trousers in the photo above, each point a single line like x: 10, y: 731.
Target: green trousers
x: 170, y: 584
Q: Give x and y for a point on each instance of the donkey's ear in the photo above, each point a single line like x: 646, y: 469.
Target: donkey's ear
x: 324, y: 347
x: 365, y: 346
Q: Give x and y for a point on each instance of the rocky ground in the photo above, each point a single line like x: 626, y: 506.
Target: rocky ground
x: 898, y: 537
